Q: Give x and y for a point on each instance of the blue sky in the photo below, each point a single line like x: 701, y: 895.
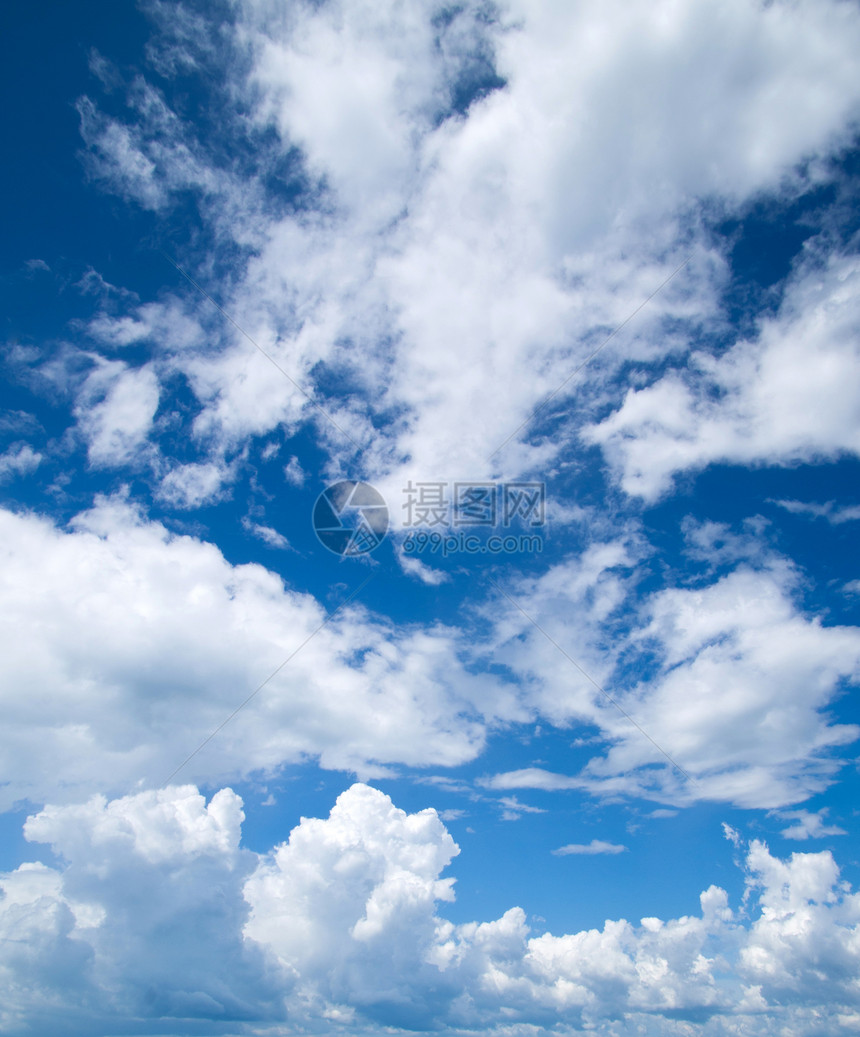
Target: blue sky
x: 600, y: 775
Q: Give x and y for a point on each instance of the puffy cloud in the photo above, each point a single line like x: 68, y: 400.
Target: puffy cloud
x: 348, y: 905
x: 19, y: 459
x: 125, y: 646
x: 445, y: 212
x: 195, y: 484
x: 371, y: 861
x: 158, y: 826
x: 725, y: 686
x: 115, y: 410
x: 142, y: 920
x: 786, y: 397
x: 806, y: 942
x: 741, y: 699
x: 340, y: 925
x: 513, y: 248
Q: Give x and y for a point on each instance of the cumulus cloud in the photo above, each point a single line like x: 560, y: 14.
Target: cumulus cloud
x: 740, y: 702
x: 141, y: 919
x: 115, y: 410
x: 467, y: 202
x: 19, y: 459
x: 343, y: 924
x: 126, y: 646
x: 734, y: 709
x: 786, y: 397
x: 194, y: 484
x: 349, y: 902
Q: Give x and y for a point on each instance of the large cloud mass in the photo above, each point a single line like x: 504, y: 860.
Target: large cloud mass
x: 521, y: 229
x: 127, y: 646
x: 156, y: 912
x: 433, y: 241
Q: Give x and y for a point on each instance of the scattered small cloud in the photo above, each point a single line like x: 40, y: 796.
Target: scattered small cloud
x: 294, y: 473
x: 452, y: 814
x: 92, y: 283
x: 716, y: 543
x: 830, y: 510
x: 424, y: 573
x: 732, y: 834
x: 808, y: 825
x: 531, y: 778
x: 512, y: 809
x: 269, y: 536
x: 596, y: 846
x: 19, y: 459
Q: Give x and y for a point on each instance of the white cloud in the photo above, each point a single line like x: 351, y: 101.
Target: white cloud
x: 125, y: 646
x: 115, y: 410
x: 808, y: 825
x: 265, y: 533
x: 415, y: 567
x: 596, y: 846
x: 348, y: 903
x: 830, y: 510
x: 513, y: 809
x: 806, y: 939
x: 740, y: 702
x: 452, y: 814
x: 194, y: 484
x: 740, y: 653
x: 19, y: 459
x: 156, y: 640
x: 788, y: 396
x: 519, y: 233
x: 294, y: 473
x: 717, y: 544
x: 731, y: 833
x: 343, y: 923
x: 531, y: 778
x: 734, y: 686
x: 142, y: 918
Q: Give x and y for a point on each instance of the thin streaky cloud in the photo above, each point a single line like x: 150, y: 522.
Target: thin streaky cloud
x: 596, y: 846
